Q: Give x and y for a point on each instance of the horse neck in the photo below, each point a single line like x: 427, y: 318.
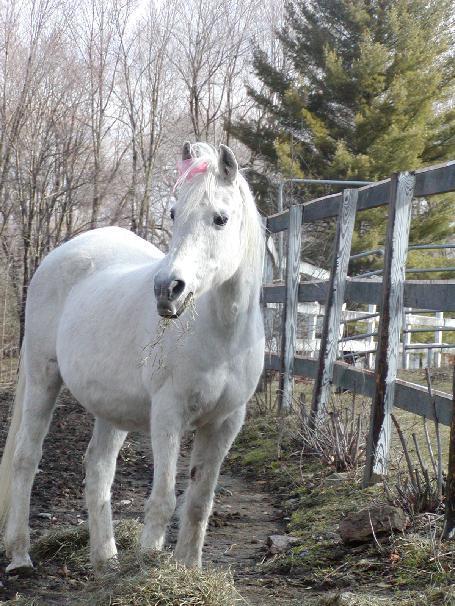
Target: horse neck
x: 235, y: 300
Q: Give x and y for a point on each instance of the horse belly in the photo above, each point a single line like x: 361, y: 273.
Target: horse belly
x: 99, y: 352
x: 122, y: 408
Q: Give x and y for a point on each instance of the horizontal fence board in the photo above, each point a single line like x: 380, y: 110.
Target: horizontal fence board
x: 408, y: 396
x: 278, y: 222
x: 437, y: 295
x: 429, y: 181
x: 435, y: 179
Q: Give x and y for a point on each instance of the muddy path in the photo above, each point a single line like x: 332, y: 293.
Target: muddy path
x: 244, y: 515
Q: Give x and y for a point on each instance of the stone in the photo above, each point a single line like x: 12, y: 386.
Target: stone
x: 337, y: 477
x: 45, y: 516
x: 280, y: 543
x: 359, y: 526
x: 346, y: 598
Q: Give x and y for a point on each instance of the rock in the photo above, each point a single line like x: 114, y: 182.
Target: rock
x: 346, y: 598
x: 45, y: 516
x: 337, y: 477
x: 125, y: 502
x: 279, y: 543
x: 359, y: 526
x: 221, y: 490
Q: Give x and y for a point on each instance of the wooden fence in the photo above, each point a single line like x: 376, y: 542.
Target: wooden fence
x: 391, y: 293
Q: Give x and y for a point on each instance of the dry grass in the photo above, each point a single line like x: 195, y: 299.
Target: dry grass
x: 432, y: 597
x: 160, y: 581
x: 72, y: 544
x: 137, y: 580
x: 338, y: 436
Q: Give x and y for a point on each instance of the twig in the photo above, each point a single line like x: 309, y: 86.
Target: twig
x: 430, y: 450
x: 438, y: 433
x: 405, y: 450
x: 422, y: 465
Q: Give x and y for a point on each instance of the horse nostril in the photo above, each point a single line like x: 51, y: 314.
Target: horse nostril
x: 176, y: 287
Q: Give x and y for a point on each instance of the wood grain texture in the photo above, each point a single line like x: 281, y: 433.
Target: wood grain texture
x: 429, y: 181
x: 408, y: 396
x: 390, y: 322
x: 334, y: 302
x: 289, y: 335
x: 437, y: 295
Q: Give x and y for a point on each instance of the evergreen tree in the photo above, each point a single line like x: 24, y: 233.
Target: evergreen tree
x: 370, y: 92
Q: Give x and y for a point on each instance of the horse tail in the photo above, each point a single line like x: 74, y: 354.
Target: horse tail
x: 6, y: 465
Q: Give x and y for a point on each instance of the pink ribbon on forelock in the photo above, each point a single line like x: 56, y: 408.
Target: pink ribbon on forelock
x: 183, y: 166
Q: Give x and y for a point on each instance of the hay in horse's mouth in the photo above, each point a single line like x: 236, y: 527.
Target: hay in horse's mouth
x: 186, y: 302
x: 168, y: 310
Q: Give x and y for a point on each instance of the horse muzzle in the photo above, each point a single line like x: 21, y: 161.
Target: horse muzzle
x: 170, y: 299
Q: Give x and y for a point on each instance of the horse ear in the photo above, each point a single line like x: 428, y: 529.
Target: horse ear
x: 186, y: 151
x: 227, y: 164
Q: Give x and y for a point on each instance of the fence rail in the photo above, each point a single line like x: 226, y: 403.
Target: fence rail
x: 429, y: 181
x: 391, y: 292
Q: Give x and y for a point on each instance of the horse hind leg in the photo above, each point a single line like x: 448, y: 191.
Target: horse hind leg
x: 40, y: 393
x: 100, y: 461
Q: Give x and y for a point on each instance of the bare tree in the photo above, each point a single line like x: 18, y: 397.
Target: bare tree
x: 147, y: 92
x: 212, y: 46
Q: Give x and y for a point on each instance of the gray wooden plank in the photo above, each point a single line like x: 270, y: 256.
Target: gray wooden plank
x: 435, y: 179
x: 390, y: 321
x: 408, y: 396
x: 437, y: 295
x: 429, y: 181
x: 278, y: 222
x: 289, y: 335
x: 333, y: 305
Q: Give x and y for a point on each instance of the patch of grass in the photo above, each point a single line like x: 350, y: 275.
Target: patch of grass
x: 321, y: 506
x: 72, y: 544
x: 138, y: 580
x: 408, y: 567
x: 423, y: 561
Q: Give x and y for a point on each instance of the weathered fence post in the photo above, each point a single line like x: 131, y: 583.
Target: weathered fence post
x: 334, y: 303
x: 449, y: 519
x: 290, y: 307
x: 390, y: 322
x: 439, y: 315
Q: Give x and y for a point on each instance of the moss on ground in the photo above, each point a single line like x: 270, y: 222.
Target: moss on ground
x: 407, y: 569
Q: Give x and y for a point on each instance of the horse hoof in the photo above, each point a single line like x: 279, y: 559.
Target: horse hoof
x: 21, y: 566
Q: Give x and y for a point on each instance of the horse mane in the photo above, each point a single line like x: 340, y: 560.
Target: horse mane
x: 192, y: 190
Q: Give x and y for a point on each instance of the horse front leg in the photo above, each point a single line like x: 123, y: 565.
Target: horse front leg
x: 100, y: 462
x: 211, y: 445
x: 166, y: 429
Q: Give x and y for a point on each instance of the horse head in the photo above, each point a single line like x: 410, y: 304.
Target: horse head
x: 210, y: 225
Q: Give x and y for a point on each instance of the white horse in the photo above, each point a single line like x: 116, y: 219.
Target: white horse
x: 92, y: 322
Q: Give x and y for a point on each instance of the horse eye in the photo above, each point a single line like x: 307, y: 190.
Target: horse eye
x: 220, y: 220
x: 172, y: 214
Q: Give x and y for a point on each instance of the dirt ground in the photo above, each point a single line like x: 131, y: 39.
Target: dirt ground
x: 244, y: 514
